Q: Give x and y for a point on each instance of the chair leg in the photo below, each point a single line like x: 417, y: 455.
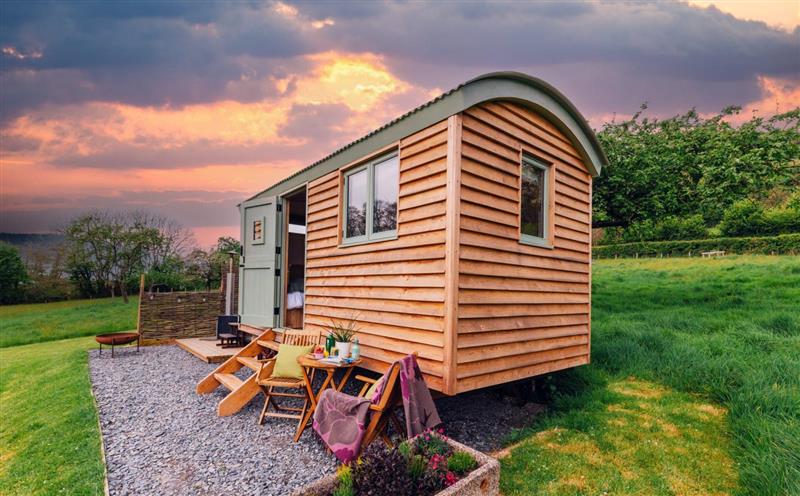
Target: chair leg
x: 396, y: 423
x: 303, y: 412
x: 267, y: 401
x: 275, y: 404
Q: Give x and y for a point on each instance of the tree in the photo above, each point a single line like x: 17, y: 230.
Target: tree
x: 12, y: 274
x: 206, y: 267
x: 132, y: 243
x: 220, y: 254
x: 47, y: 281
x: 689, y: 164
x: 201, y: 268
x: 106, y: 251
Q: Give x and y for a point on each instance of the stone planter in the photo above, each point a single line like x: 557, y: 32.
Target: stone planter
x: 483, y: 481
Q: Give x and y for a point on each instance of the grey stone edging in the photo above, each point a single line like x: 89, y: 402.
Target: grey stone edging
x: 99, y: 429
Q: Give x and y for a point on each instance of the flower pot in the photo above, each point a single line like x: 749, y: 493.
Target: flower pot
x: 343, y: 349
x: 483, y: 481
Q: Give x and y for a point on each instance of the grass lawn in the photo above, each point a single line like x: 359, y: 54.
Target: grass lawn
x: 628, y: 437
x: 24, y: 324
x: 694, y: 388
x: 695, y: 333
x: 48, y: 422
x: 48, y: 428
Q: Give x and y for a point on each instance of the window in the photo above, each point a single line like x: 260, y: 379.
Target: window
x: 258, y: 231
x: 370, y: 207
x: 533, y: 202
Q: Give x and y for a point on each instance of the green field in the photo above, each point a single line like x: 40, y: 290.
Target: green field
x: 48, y: 422
x: 24, y: 324
x: 725, y: 331
x: 49, y: 433
x: 694, y: 388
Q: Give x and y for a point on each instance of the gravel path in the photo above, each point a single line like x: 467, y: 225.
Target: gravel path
x: 162, y: 438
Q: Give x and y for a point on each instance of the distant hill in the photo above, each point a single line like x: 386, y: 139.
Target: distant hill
x: 32, y: 240
x: 35, y: 248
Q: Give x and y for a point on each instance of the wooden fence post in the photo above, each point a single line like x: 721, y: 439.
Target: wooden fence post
x: 139, y: 310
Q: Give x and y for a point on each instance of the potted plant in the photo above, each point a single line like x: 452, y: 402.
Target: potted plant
x: 342, y: 333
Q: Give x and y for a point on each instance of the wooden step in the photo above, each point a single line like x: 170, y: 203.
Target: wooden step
x: 238, y: 398
x: 241, y: 392
x: 209, y: 383
x: 230, y: 381
x: 251, y: 363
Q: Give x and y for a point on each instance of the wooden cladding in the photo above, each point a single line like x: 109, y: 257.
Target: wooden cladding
x: 456, y: 285
x: 523, y: 310
x: 395, y: 288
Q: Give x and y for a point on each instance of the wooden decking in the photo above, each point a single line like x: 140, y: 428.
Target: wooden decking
x: 206, y: 349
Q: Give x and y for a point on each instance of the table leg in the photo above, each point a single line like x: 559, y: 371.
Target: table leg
x: 314, y: 401
x: 344, y: 378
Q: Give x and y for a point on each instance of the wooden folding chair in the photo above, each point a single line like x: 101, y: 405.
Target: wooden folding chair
x: 276, y: 387
x: 383, y: 412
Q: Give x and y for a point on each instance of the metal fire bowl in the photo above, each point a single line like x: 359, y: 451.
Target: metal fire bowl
x: 117, y: 338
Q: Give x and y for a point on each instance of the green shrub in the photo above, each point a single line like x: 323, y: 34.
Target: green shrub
x: 345, y: 482
x: 416, y: 467
x: 781, y: 221
x: 748, y: 218
x: 668, y: 228
x: 639, y: 231
x: 461, y: 462
x: 793, y: 202
x: 404, y: 448
x: 674, y: 228
x: 783, y: 244
x: 742, y: 218
x: 13, y: 274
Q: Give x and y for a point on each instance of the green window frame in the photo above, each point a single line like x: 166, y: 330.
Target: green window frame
x: 370, y: 234
x: 527, y: 238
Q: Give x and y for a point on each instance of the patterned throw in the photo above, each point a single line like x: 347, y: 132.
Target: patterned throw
x: 420, y: 410
x: 341, y: 419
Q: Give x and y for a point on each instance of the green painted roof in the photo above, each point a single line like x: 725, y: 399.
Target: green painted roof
x: 514, y: 86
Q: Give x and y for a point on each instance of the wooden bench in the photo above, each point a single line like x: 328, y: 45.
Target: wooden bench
x: 715, y: 253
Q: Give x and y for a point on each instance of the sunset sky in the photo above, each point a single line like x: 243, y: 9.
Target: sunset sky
x: 186, y: 108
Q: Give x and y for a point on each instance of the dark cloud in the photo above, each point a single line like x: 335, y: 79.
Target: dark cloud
x: 666, y: 38
x: 173, y: 53
x: 153, y: 53
x: 318, y: 122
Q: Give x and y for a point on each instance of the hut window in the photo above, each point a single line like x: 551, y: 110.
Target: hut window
x: 371, y: 192
x: 258, y: 231
x: 533, y: 201
x: 356, y: 184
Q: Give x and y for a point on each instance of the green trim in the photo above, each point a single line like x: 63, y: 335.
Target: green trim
x: 369, y: 236
x: 512, y: 86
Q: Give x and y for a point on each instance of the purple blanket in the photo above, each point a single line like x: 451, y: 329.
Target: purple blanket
x: 340, y: 420
x: 420, y: 410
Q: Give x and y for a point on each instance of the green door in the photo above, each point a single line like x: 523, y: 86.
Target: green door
x: 259, y: 264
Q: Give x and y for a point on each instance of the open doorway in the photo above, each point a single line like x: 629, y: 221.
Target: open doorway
x: 294, y: 259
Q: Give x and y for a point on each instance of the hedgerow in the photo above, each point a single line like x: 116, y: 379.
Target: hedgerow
x: 786, y: 244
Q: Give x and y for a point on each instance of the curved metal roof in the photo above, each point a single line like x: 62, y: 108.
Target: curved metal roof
x: 515, y: 86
